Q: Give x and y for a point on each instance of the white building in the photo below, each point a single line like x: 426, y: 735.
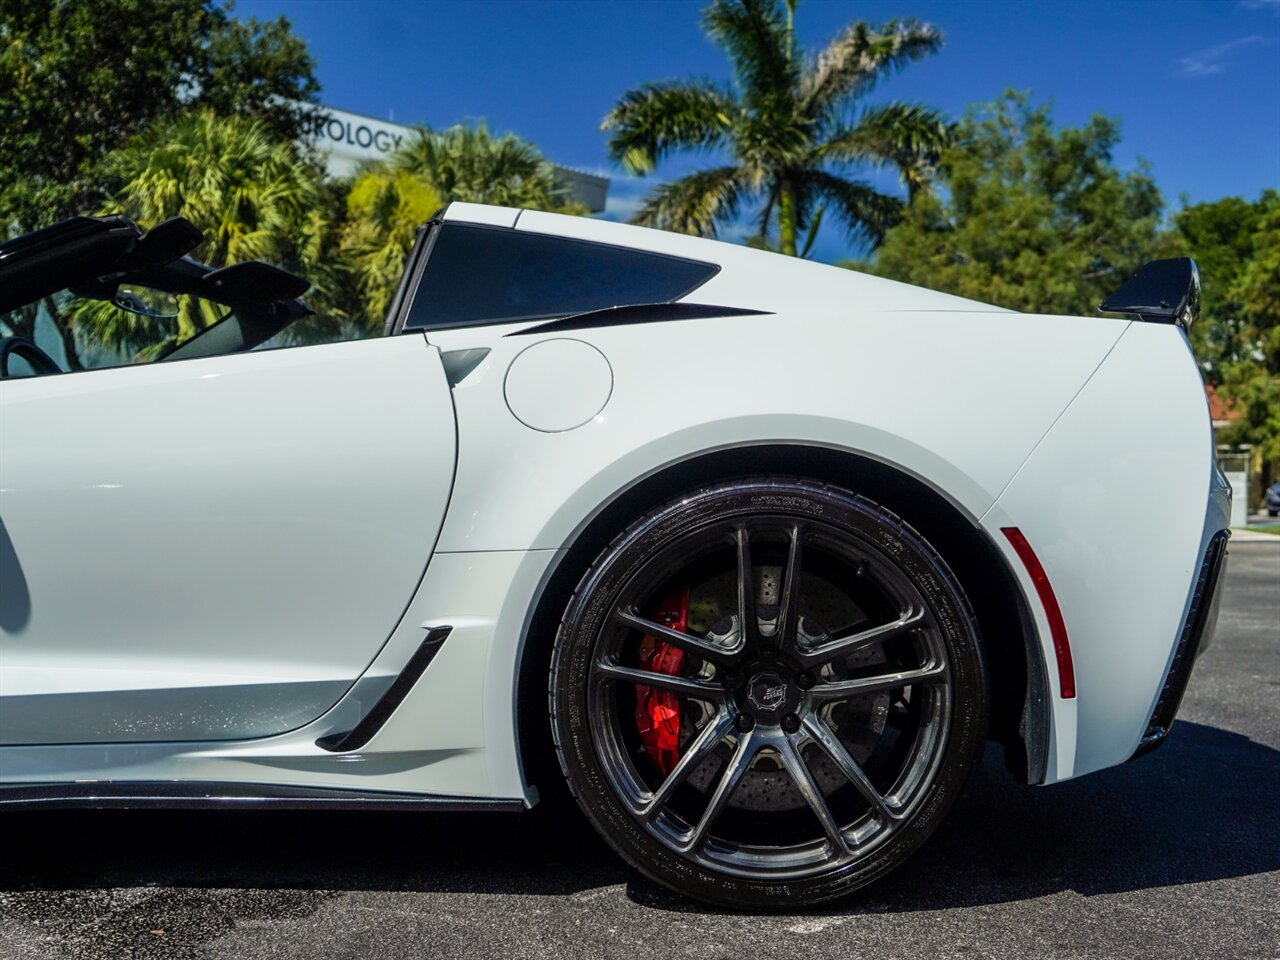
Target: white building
x: 346, y: 139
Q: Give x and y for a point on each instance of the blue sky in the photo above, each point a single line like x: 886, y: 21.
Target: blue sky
x: 1195, y: 83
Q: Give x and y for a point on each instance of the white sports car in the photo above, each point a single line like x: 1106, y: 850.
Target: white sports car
x: 763, y: 550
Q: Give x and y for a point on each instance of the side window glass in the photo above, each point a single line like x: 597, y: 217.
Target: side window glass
x: 478, y: 275
x: 19, y: 366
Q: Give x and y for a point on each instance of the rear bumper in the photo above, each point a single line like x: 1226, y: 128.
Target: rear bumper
x: 1125, y: 585
x: 1197, y: 633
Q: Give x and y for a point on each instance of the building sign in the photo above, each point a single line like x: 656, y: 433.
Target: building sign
x: 348, y: 139
x: 360, y: 135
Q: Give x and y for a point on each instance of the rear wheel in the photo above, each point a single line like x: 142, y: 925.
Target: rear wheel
x: 768, y: 693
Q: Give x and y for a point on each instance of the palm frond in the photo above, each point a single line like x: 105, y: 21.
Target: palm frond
x: 385, y: 207
x: 886, y: 134
x: 866, y: 212
x: 756, y: 36
x: 907, y: 136
x: 786, y: 124
x: 653, y: 120
x: 859, y: 57
x: 246, y: 189
x: 812, y: 235
x: 469, y: 163
x: 695, y: 204
x: 229, y: 175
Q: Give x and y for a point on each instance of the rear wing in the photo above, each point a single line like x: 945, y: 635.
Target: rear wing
x: 1163, y: 291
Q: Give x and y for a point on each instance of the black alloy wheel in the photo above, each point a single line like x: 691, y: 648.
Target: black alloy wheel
x: 828, y: 701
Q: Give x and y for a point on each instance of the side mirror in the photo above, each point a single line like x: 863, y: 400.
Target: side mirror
x: 129, y: 301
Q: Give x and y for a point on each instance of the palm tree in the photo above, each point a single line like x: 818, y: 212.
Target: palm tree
x: 388, y: 201
x: 251, y: 193
x: 469, y: 163
x: 385, y: 207
x: 789, y: 125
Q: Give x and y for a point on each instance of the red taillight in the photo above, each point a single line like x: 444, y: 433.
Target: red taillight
x: 1057, y: 626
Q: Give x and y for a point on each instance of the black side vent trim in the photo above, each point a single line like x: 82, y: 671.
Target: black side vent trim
x: 1201, y: 620
x: 637, y: 313
x: 363, y: 731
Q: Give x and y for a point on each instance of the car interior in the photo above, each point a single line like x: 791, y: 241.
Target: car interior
x: 109, y: 258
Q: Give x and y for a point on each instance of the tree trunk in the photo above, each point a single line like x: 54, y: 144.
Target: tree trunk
x: 786, y: 220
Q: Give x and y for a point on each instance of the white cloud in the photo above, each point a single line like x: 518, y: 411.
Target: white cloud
x: 1261, y: 5
x: 1205, y: 63
x: 626, y: 193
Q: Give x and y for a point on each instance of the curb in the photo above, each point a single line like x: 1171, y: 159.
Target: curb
x: 1252, y: 536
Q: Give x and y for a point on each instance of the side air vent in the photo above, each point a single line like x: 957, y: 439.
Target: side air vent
x: 1201, y: 619
x: 363, y: 731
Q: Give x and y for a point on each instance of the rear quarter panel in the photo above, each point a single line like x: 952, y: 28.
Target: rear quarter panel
x: 1118, y: 501
x: 957, y: 399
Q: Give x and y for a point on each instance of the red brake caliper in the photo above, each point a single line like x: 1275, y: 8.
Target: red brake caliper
x: 657, y: 711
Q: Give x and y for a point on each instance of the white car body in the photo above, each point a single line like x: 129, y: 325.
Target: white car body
x: 214, y: 564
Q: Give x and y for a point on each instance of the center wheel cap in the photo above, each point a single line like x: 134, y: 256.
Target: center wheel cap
x: 767, y: 691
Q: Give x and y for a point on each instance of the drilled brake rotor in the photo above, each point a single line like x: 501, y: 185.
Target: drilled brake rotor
x: 857, y: 722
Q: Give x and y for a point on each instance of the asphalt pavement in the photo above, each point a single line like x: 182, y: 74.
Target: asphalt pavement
x: 1174, y: 855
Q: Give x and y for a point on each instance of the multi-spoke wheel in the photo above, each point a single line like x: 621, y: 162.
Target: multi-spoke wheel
x: 768, y: 693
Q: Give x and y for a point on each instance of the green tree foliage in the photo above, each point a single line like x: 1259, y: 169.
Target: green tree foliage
x: 251, y: 192
x: 790, y: 126
x: 80, y: 79
x: 1236, y: 244
x: 1032, y: 217
x: 471, y: 164
x: 388, y: 201
x: 385, y: 208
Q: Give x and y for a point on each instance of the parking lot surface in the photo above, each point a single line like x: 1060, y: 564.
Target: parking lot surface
x: 1174, y: 855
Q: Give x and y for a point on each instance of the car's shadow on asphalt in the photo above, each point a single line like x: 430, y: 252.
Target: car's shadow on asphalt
x: 1202, y: 808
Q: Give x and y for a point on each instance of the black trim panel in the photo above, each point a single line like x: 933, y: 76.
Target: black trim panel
x: 372, y: 722
x: 130, y: 795
x: 1196, y: 634
x: 638, y: 313
x: 403, y: 324
x: 1163, y: 291
x: 398, y: 312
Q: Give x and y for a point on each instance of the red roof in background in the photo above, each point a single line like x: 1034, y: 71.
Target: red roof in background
x: 1219, y: 409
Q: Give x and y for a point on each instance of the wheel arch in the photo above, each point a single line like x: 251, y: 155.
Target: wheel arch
x: 1020, y: 718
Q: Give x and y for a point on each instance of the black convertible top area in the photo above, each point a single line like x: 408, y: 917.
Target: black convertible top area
x: 94, y: 256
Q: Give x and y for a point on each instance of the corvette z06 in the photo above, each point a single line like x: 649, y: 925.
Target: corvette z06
x: 761, y: 551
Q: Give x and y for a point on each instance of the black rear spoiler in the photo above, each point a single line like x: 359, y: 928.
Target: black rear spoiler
x: 1163, y: 291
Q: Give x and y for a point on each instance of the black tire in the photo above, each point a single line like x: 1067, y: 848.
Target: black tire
x: 917, y: 741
